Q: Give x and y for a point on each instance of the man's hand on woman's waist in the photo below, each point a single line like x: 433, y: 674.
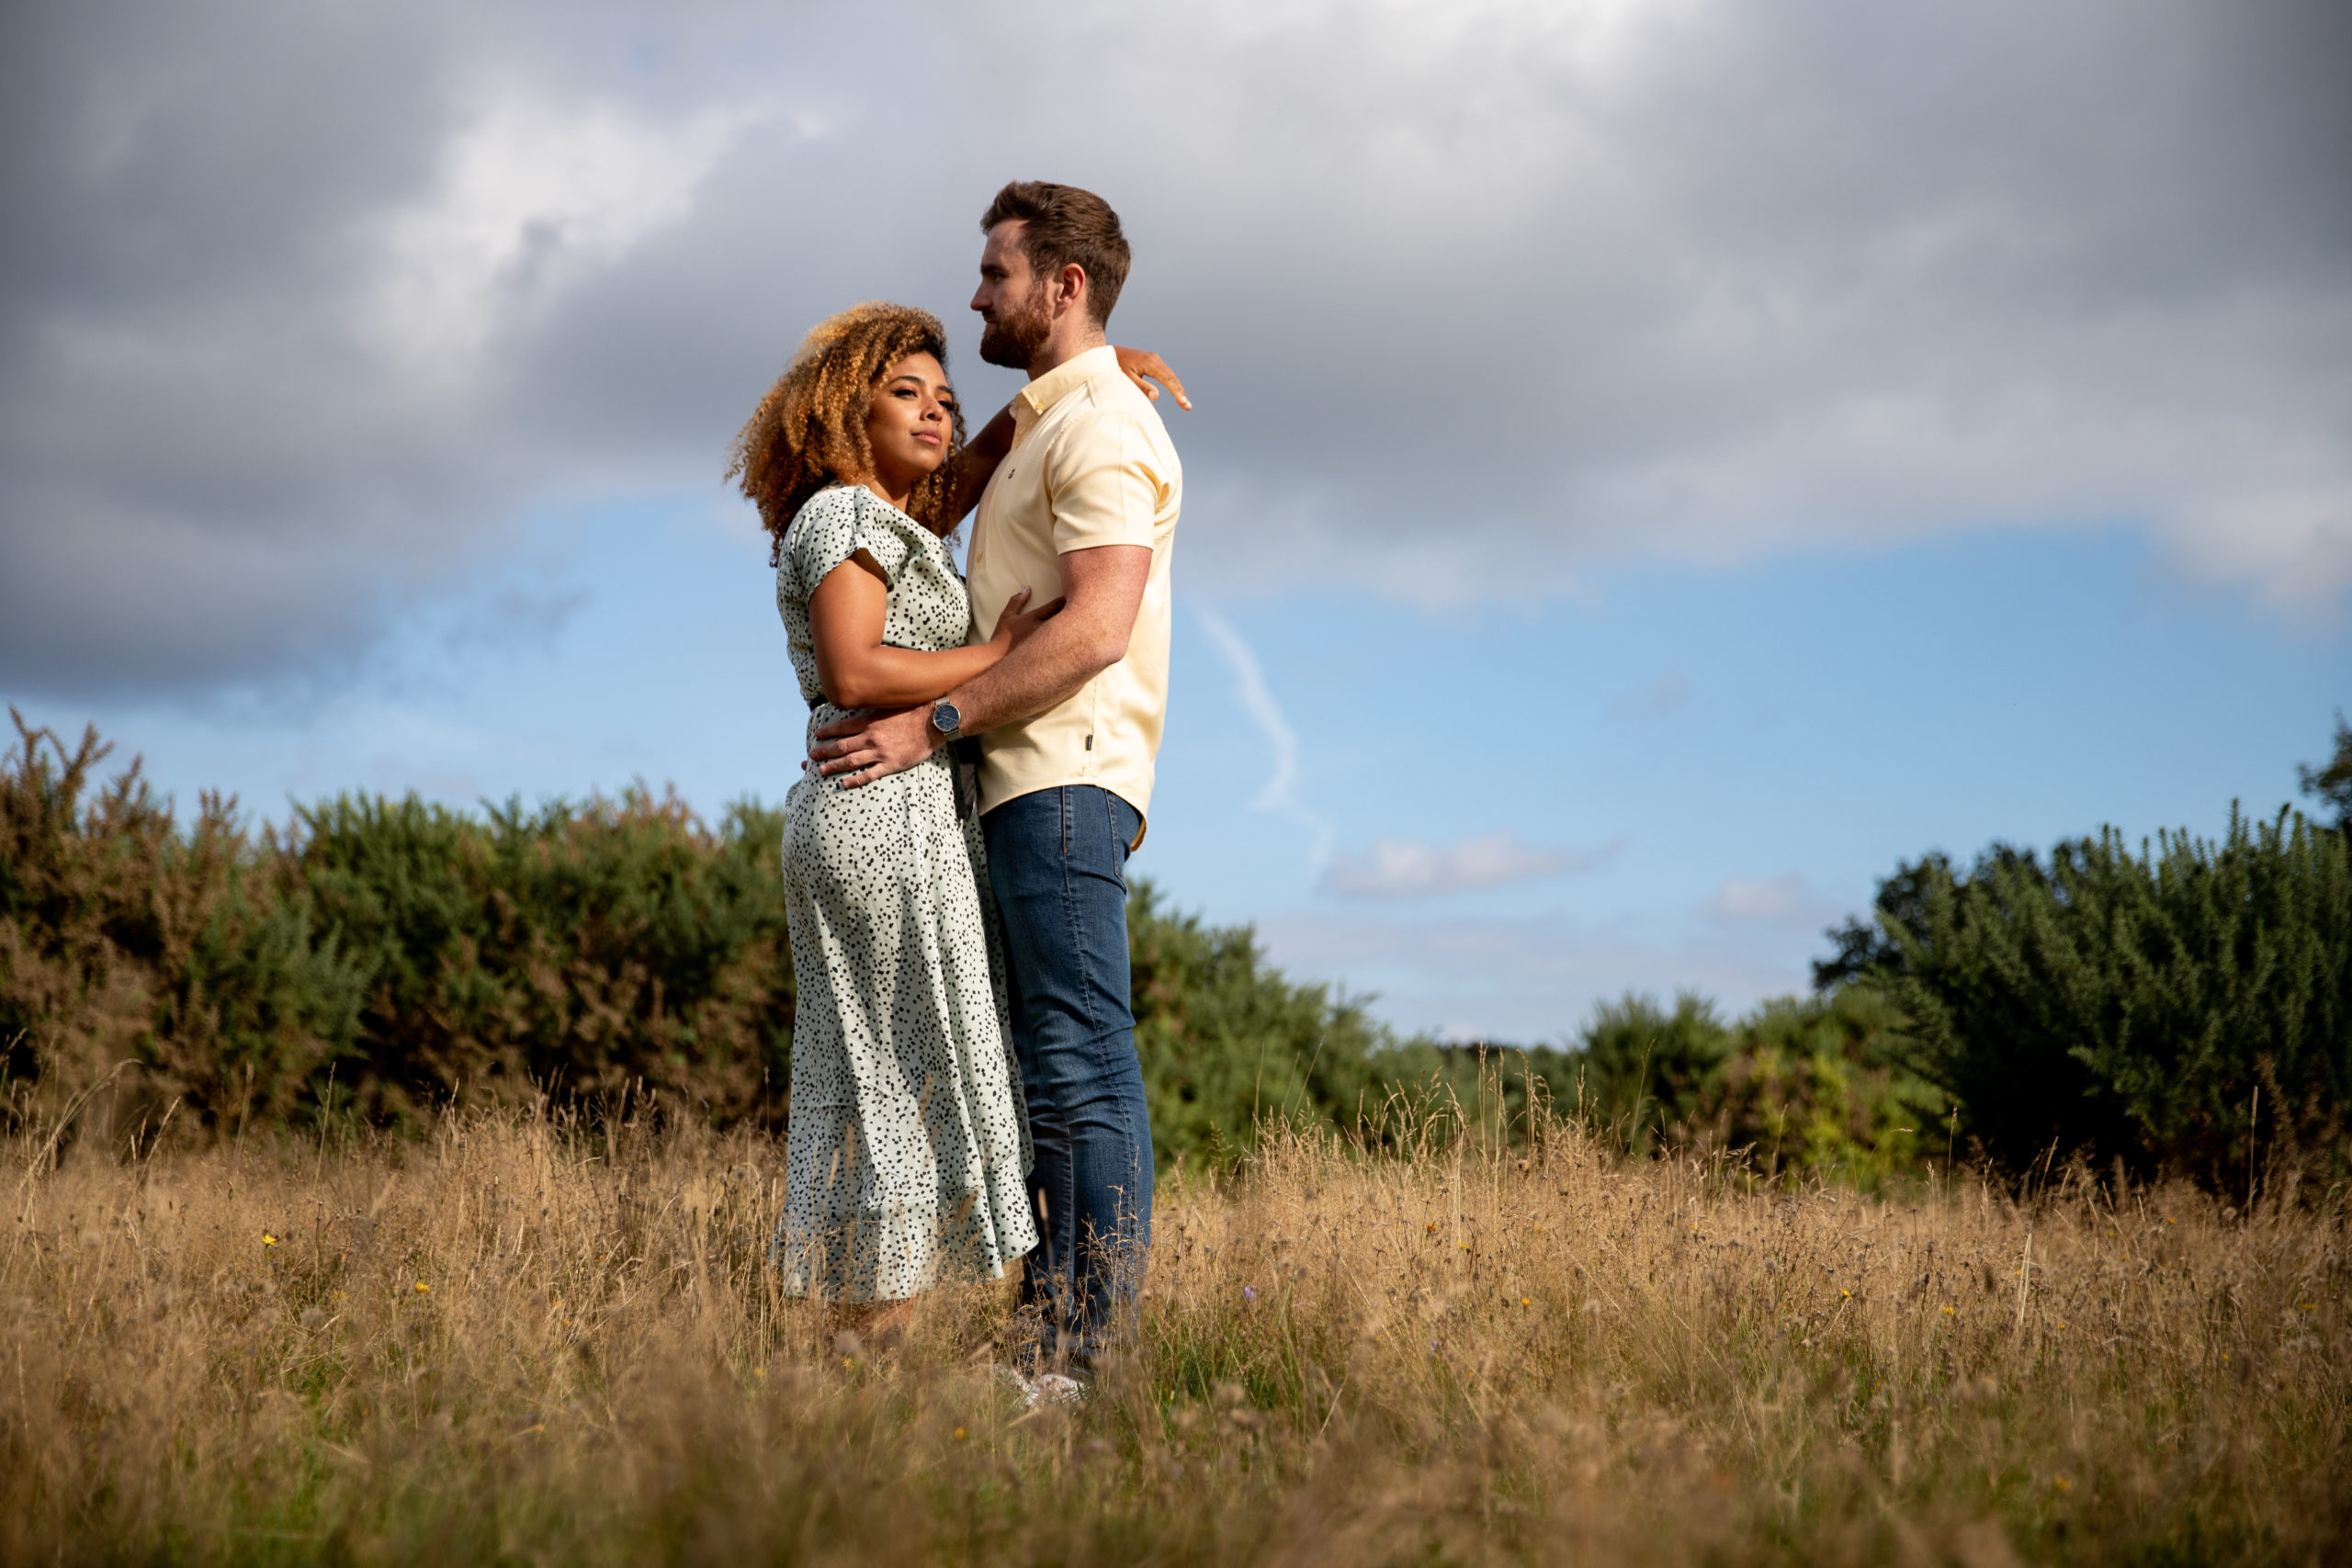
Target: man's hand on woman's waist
x: 874, y: 744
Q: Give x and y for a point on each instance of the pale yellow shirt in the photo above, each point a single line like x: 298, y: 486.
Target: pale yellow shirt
x: 1090, y: 465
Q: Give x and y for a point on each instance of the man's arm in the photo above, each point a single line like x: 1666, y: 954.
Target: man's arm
x: 1103, y: 587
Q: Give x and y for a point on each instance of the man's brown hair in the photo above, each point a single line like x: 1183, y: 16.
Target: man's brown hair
x: 1062, y: 224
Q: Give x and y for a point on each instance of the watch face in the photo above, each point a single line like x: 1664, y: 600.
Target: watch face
x: 944, y: 716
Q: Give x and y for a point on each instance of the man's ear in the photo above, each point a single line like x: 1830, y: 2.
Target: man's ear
x: 1069, y: 288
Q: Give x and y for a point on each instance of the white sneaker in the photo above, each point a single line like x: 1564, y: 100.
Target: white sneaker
x: 1056, y: 1388
x: 1045, y: 1388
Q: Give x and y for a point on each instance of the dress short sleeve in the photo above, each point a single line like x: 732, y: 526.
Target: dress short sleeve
x: 834, y: 524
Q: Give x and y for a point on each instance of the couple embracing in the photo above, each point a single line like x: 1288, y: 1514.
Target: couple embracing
x: 965, y: 1086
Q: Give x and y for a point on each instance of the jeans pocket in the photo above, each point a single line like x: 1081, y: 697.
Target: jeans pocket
x: 1122, y: 821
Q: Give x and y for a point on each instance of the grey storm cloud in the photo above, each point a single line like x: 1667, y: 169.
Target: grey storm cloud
x: 308, y: 309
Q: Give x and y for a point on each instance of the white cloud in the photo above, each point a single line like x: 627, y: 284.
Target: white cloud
x: 1402, y: 868
x: 1786, y: 899
x: 532, y: 196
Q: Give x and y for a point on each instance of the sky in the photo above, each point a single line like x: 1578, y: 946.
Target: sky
x: 1657, y: 464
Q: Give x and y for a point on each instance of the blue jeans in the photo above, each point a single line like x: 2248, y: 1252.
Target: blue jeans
x: 1057, y: 863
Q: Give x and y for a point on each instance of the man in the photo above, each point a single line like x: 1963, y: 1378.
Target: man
x: 1083, y: 508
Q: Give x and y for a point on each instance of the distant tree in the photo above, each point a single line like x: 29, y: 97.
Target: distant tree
x: 2332, y: 785
x: 1643, y: 1070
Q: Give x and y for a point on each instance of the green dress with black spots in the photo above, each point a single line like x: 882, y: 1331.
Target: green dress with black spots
x: 908, y: 1142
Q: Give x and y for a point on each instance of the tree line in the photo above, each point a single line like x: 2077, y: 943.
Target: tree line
x: 2180, y: 1008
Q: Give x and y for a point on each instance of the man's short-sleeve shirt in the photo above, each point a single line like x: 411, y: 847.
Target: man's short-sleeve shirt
x: 1090, y: 465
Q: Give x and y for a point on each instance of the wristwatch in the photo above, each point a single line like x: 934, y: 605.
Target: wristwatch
x: 946, y: 719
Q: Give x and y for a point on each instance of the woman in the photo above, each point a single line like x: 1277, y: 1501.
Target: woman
x: 907, y: 1144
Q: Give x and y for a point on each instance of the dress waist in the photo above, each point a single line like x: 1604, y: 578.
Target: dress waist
x: 935, y: 772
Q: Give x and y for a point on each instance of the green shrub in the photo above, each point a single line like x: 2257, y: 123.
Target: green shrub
x: 386, y: 956
x: 583, y: 949
x: 1227, y: 1041
x: 125, y: 941
x: 1820, y: 1085
x: 1817, y: 1086
x: 1643, y: 1071
x: 2129, y: 1006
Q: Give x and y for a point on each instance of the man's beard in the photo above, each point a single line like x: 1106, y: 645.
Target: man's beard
x: 1018, y: 335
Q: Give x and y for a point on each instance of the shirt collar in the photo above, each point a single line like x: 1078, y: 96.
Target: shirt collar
x: 1063, y: 380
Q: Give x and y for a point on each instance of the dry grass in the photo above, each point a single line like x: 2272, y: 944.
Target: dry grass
x: 531, y: 1342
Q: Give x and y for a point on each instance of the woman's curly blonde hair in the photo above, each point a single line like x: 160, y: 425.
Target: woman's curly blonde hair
x: 809, y: 431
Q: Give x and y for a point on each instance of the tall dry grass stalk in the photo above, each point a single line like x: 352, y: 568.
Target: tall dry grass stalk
x: 545, y: 1341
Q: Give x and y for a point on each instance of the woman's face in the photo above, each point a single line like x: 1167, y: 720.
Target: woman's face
x: 911, y: 421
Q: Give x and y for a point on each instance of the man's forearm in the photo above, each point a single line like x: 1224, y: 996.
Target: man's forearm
x: 1052, y: 666
x: 1101, y: 586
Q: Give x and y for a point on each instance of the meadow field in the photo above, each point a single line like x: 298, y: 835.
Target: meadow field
x: 530, y: 1338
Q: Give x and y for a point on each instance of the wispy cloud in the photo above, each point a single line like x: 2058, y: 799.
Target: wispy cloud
x: 1669, y: 692
x: 1405, y: 868
x: 1786, y: 899
x: 1478, y: 978
x: 1281, y: 793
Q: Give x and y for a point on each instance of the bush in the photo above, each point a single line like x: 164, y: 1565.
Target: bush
x: 1819, y: 1085
x: 589, y: 950
x: 123, y: 940
x: 383, y: 956
x: 2127, y: 1006
x: 1643, y: 1071
x: 1227, y: 1041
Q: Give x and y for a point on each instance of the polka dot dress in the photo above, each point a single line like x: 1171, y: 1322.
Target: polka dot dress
x: 907, y: 1143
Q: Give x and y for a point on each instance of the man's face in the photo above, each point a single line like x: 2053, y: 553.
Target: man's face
x: 1011, y: 300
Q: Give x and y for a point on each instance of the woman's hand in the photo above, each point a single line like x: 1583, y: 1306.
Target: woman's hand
x: 1143, y: 368
x: 1016, y: 626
